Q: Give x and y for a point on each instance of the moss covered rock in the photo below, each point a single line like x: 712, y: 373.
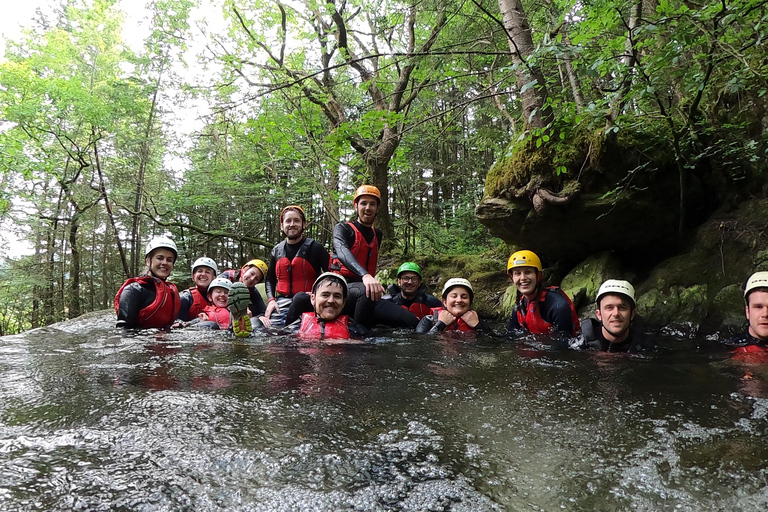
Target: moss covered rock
x: 582, y: 283
x: 677, y: 306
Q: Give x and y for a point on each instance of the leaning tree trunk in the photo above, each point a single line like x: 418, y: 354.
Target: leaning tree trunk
x: 530, y: 79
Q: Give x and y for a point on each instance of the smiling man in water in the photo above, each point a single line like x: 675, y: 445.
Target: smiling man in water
x: 616, y: 328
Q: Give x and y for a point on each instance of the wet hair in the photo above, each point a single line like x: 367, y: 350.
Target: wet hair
x: 331, y: 280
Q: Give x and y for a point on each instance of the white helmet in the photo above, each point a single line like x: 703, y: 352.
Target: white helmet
x: 220, y: 282
x: 458, y: 281
x: 756, y: 280
x: 616, y: 286
x: 339, y: 279
x: 161, y: 242
x: 205, y: 262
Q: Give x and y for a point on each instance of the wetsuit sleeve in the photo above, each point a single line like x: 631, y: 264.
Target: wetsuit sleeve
x: 557, y: 312
x: 513, y: 326
x: 131, y: 301
x: 319, y: 258
x: 434, y: 302
x: 257, y: 306
x: 185, y: 302
x: 343, y: 238
x: 270, y: 283
x: 357, y: 330
x: 429, y: 325
x: 483, y: 328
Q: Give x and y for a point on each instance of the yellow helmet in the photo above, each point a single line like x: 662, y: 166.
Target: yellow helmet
x: 367, y: 190
x: 258, y: 264
x: 524, y: 259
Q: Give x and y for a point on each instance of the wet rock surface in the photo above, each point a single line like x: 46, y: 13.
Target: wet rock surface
x: 94, y: 418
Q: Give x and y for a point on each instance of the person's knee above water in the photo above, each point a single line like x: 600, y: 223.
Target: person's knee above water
x: 755, y: 340
x: 538, y: 309
x: 294, y: 265
x: 456, y: 313
x: 194, y: 299
x: 326, y: 322
x: 410, y: 293
x: 149, y: 300
x: 617, y: 328
x: 244, y: 300
x: 216, y: 315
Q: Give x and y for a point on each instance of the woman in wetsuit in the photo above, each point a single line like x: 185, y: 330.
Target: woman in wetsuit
x: 149, y: 300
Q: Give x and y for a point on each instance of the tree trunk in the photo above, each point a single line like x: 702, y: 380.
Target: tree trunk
x: 533, y: 97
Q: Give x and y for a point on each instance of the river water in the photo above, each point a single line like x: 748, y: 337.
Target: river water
x: 94, y: 418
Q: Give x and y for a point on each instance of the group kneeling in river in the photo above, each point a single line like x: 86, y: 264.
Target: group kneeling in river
x: 322, y: 296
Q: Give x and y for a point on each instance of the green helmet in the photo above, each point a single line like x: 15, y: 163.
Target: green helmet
x: 409, y: 266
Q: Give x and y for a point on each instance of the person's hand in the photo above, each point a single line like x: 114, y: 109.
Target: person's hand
x: 203, y: 317
x: 445, y: 317
x: 471, y: 318
x: 265, y: 320
x: 373, y: 289
x: 272, y: 307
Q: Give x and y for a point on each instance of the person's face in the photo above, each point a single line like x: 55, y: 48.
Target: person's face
x: 202, y: 276
x: 292, y: 225
x: 328, y: 301
x: 366, y: 208
x: 160, y: 263
x: 757, y: 314
x: 251, y: 276
x: 616, y: 315
x: 218, y: 296
x: 525, y: 279
x: 409, y: 283
x: 457, y: 301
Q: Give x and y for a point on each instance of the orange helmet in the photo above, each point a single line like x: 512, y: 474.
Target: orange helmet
x: 367, y: 190
x: 293, y: 207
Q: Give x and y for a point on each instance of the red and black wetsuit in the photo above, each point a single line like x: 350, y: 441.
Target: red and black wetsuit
x: 421, y: 305
x: 146, y: 302
x: 193, y: 301
x: 355, y: 250
x: 293, y: 268
x: 552, y: 311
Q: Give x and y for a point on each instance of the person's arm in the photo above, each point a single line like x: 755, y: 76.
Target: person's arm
x: 559, y: 313
x: 185, y: 302
x: 425, y: 325
x: 257, y: 307
x: 270, y: 282
x: 343, y: 238
x: 319, y: 258
x: 129, y: 306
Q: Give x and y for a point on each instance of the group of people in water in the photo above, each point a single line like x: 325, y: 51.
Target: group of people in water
x: 321, y: 296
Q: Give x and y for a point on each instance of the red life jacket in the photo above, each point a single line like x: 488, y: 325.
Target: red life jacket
x: 218, y: 314
x: 199, y: 302
x: 751, y: 354
x: 312, y: 328
x: 296, y: 275
x: 532, y: 320
x: 418, y: 309
x: 367, y: 255
x: 163, y: 310
x: 233, y: 274
x: 458, y: 324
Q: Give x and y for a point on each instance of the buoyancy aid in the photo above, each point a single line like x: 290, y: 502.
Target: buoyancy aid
x: 458, y: 324
x: 417, y: 308
x: 199, y: 302
x: 366, y: 254
x: 233, y: 274
x: 163, y: 310
x: 532, y: 320
x: 312, y: 328
x: 217, y: 314
x: 752, y: 353
x: 296, y: 275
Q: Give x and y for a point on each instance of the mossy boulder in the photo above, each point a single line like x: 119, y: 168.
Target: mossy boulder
x: 727, y: 309
x: 581, y: 283
x: 676, y: 307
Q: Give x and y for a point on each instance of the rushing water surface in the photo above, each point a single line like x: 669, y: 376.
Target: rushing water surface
x: 94, y: 418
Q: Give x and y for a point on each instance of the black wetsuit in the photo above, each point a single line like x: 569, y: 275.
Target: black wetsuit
x: 636, y: 342
x: 554, y: 309
x: 421, y: 304
x: 316, y: 255
x: 186, y: 300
